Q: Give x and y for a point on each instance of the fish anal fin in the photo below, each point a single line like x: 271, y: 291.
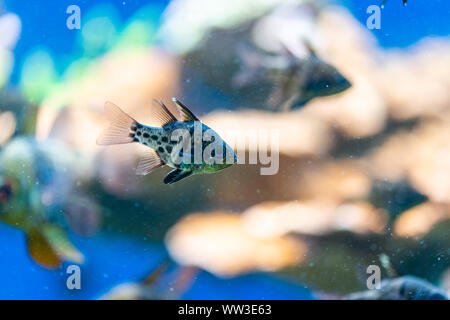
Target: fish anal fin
x: 187, y: 114
x: 161, y: 114
x: 41, y: 251
x: 149, y: 162
x: 120, y: 127
x: 176, y: 175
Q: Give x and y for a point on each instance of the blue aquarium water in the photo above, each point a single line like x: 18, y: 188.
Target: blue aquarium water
x: 133, y: 239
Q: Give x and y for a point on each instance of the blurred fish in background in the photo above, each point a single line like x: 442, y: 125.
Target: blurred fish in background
x: 271, y: 52
x: 39, y: 195
x: 297, y: 81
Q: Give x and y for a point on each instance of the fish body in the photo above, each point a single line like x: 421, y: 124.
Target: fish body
x: 178, y: 144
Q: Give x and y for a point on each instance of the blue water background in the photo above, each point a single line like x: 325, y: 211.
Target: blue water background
x: 115, y: 259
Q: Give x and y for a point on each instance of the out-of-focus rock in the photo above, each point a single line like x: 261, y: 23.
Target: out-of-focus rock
x: 186, y: 22
x: 418, y: 221
x: 219, y: 243
x: 421, y: 156
x: 416, y: 82
x: 316, y: 217
x: 336, y: 180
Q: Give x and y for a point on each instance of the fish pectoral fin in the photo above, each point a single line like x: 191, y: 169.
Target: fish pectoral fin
x: 176, y: 175
x: 41, y: 251
x: 149, y: 162
x: 185, y: 113
x: 60, y: 244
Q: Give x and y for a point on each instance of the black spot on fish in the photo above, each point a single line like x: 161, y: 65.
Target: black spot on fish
x: 135, y: 140
x: 146, y: 135
x: 133, y: 128
x: 164, y: 139
x: 161, y: 149
x: 139, y: 133
x: 159, y: 143
x: 154, y: 137
x: 173, y: 142
x: 139, y: 126
x: 169, y: 149
x: 131, y: 135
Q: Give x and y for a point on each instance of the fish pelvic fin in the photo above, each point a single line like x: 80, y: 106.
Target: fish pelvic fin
x: 121, y: 127
x: 177, y: 175
x: 149, y: 162
x: 49, y: 246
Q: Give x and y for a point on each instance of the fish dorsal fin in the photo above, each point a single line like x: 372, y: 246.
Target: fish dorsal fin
x: 185, y: 113
x: 309, y: 47
x: 161, y: 114
x: 149, y: 162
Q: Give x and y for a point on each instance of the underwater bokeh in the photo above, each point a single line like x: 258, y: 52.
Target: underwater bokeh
x: 360, y: 124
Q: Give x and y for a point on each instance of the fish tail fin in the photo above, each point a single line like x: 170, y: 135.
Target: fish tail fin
x: 121, y: 127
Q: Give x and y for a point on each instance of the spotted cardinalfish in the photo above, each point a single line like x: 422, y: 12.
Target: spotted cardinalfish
x: 166, y: 145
